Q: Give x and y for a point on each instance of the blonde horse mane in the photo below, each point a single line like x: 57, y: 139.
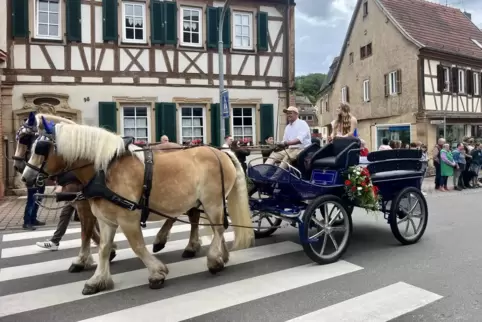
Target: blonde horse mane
x: 83, y: 142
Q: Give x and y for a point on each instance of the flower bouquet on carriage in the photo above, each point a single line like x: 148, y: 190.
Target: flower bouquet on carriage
x: 360, y: 189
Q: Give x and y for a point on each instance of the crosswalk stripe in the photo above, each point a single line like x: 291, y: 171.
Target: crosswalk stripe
x: 37, y: 234
x: 74, y: 243
x: 216, y: 298
x: 30, y: 270
x: 55, y: 295
x: 381, y: 305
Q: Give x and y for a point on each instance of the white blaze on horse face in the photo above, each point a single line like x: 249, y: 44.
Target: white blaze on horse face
x: 20, y: 152
x: 29, y: 175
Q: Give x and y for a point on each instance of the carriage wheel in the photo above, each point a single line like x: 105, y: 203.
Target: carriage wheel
x: 324, y: 241
x: 263, y: 219
x: 409, y: 216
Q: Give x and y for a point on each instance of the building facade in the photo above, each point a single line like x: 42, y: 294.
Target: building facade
x: 147, y: 68
x: 393, y: 68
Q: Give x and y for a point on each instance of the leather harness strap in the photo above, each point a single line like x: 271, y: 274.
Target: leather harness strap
x: 146, y: 191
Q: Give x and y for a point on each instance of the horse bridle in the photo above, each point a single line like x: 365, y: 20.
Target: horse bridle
x: 25, y: 135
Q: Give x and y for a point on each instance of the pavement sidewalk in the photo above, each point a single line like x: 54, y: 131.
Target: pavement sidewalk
x: 12, y: 208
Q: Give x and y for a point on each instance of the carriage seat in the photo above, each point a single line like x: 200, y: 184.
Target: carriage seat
x: 393, y: 169
x: 337, y: 155
x: 303, y: 160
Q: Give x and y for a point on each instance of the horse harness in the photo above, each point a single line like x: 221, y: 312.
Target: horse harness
x: 97, y: 187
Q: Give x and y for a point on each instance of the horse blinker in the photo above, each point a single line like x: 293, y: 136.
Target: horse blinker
x: 42, y: 148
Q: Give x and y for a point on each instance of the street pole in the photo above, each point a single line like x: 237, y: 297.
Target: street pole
x: 221, y: 68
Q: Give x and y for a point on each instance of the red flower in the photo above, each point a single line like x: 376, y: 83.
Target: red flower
x: 363, y: 184
x: 347, y: 182
x: 353, y: 188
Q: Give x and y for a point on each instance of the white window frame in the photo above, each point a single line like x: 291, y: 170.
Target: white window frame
x: 204, y: 126
x: 144, y: 29
x: 462, y: 86
x: 476, y: 83
x: 392, y: 83
x: 148, y: 112
x: 447, y: 80
x: 366, y: 90
x: 343, y: 94
x: 253, y: 122
x: 250, y: 30
x: 200, y: 27
x: 36, y: 22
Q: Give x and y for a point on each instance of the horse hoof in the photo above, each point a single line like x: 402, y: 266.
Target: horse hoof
x: 89, y: 290
x: 112, y: 255
x: 215, y: 270
x: 155, y: 285
x: 75, y: 268
x: 157, y: 247
x: 188, y: 254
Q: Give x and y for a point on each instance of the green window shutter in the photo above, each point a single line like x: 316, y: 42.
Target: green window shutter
x: 74, y: 24
x: 227, y: 126
x: 108, y: 116
x: 19, y: 18
x: 215, y: 131
x: 226, y: 27
x: 170, y: 11
x: 157, y: 22
x: 262, y: 31
x: 212, y: 27
x: 266, y: 112
x: 166, y: 121
x: 109, y: 17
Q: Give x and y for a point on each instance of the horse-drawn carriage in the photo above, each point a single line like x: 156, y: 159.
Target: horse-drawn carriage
x: 104, y: 162
x: 317, y: 181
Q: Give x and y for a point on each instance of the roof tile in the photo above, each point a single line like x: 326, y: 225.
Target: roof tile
x: 436, y: 26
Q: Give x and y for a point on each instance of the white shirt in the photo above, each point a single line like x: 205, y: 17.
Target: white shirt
x: 300, y: 130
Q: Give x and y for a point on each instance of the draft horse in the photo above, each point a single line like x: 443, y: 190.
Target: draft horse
x: 25, y: 137
x: 113, y: 177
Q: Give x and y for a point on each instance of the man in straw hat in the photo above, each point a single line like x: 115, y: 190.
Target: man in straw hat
x: 295, y: 139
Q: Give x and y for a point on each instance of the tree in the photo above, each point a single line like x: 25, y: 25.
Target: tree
x: 309, y: 85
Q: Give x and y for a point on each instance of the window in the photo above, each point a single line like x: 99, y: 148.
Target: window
x: 366, y: 51
x: 243, y: 30
x: 365, y: 8
x: 191, y: 26
x: 446, y: 76
x: 351, y: 58
x: 192, y: 124
x: 135, y: 122
x: 344, y: 94
x: 366, y: 90
x: 243, y: 123
x: 47, y: 18
x: 461, y: 81
x: 476, y: 83
x: 393, y: 83
x: 134, y: 22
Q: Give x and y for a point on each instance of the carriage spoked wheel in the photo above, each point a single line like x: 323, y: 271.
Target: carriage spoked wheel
x: 408, y: 216
x: 327, y: 229
x: 262, y: 219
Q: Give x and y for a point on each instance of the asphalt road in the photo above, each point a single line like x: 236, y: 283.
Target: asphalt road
x: 376, y: 280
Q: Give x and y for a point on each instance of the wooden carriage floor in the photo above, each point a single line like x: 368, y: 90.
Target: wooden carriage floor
x: 273, y: 281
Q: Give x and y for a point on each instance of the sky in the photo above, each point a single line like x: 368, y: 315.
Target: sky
x: 321, y: 26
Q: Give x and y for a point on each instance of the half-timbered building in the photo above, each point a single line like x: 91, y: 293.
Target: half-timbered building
x: 147, y: 68
x: 404, y: 68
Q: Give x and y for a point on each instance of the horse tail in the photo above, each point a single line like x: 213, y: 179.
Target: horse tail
x: 238, y: 209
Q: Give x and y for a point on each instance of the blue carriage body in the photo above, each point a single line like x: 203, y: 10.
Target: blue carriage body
x: 391, y: 172
x: 318, y: 177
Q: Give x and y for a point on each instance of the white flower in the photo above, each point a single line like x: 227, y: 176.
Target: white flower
x: 359, y: 188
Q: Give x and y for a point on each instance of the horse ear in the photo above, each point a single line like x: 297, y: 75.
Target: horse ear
x: 47, y: 126
x: 31, y: 119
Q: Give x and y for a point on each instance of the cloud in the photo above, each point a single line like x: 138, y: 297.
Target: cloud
x: 321, y: 26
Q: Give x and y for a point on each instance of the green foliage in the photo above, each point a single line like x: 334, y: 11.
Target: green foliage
x: 309, y: 85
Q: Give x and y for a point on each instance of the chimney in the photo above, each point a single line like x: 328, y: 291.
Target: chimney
x: 468, y: 15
